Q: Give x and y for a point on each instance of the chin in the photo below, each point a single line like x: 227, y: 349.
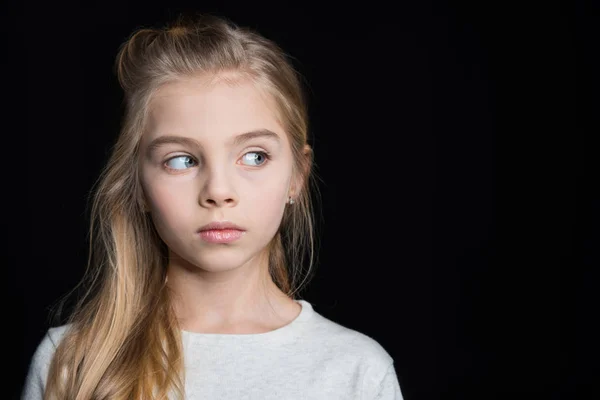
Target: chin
x: 222, y: 261
x: 218, y: 258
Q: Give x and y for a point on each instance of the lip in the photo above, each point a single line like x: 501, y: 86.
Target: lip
x: 221, y: 235
x: 221, y: 232
x: 220, y: 225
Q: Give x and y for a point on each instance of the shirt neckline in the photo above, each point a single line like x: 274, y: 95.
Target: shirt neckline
x: 289, y: 330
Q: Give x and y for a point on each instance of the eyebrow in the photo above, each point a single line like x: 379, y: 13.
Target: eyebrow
x: 260, y: 133
x: 190, y: 142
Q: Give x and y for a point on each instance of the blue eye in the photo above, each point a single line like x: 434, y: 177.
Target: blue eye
x: 254, y: 158
x: 180, y: 162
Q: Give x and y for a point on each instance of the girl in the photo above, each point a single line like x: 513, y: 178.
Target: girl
x: 200, y: 224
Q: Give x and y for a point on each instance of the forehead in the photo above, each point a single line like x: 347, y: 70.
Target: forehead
x: 209, y: 108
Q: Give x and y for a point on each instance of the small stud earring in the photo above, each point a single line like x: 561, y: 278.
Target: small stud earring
x: 291, y: 201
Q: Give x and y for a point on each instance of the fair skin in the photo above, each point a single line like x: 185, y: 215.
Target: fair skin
x: 221, y: 173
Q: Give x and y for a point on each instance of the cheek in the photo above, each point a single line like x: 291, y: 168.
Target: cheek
x: 270, y: 190
x: 264, y: 203
x: 169, y: 203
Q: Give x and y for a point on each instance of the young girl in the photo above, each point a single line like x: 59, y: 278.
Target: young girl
x: 200, y: 224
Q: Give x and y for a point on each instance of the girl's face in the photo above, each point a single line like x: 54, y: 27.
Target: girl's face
x: 214, y: 152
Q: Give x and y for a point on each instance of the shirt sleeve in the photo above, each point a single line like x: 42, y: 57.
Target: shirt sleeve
x: 35, y: 382
x: 389, y: 388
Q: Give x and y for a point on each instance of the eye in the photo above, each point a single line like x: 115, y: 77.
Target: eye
x: 254, y: 158
x: 180, y: 162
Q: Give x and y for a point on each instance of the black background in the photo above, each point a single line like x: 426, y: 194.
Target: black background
x: 454, y: 146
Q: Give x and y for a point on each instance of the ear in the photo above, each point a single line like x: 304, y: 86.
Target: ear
x: 302, y: 174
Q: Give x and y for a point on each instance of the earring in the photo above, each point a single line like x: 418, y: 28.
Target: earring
x: 290, y: 200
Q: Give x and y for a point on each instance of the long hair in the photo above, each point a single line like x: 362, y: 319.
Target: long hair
x: 123, y: 340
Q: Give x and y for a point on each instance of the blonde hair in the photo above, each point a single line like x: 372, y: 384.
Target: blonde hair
x: 123, y: 340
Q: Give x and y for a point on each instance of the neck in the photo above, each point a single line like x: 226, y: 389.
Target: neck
x: 240, y: 300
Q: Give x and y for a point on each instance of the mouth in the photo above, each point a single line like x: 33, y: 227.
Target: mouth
x: 221, y: 225
x: 221, y: 232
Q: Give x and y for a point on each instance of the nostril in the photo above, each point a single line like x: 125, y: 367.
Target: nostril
x: 214, y: 202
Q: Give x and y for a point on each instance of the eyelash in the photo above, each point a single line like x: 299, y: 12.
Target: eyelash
x: 265, y: 154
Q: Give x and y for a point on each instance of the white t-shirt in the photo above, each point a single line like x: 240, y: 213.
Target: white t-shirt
x: 310, y: 358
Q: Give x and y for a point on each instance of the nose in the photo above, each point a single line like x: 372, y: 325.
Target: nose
x: 217, y: 189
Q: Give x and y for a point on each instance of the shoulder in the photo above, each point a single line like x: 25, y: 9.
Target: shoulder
x: 340, y: 338
x: 49, y: 342
x: 55, y: 334
x: 348, y: 347
x: 35, y: 382
x: 357, y: 353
